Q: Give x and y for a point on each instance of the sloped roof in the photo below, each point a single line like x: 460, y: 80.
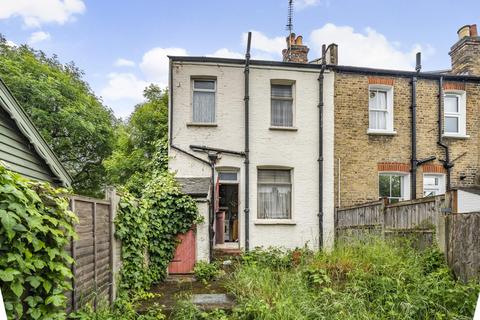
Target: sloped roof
x: 28, y: 129
x: 195, y: 187
x: 472, y: 189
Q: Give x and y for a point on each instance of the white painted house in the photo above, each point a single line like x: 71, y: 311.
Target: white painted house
x: 210, y: 137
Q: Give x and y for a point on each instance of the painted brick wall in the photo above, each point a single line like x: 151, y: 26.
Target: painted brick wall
x: 359, y: 155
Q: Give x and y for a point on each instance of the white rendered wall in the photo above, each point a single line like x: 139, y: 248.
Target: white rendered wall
x: 268, y: 148
x: 468, y: 202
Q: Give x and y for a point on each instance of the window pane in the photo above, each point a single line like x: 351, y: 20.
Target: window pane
x: 273, y: 176
x: 384, y: 186
x: 280, y: 90
x: 204, y: 84
x: 396, y: 186
x: 282, y: 113
x: 227, y: 176
x: 378, y: 120
x: 274, y: 202
x: 430, y: 181
x: 378, y: 100
x: 451, y: 124
x: 451, y: 104
x: 203, y: 107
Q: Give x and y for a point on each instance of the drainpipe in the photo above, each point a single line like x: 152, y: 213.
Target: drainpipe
x: 247, y: 143
x: 320, y: 146
x: 446, y: 163
x: 213, y: 157
x: 414, y: 163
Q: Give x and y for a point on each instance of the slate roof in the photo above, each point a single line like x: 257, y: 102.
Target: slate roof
x: 195, y: 187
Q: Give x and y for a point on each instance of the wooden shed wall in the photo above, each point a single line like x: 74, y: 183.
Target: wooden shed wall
x: 19, y: 154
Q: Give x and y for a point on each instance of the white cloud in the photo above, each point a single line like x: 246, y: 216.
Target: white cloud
x: 265, y: 44
x: 124, y: 86
x: 120, y: 62
x: 154, y: 63
x: 226, y: 53
x: 37, y: 12
x: 12, y: 44
x: 38, y: 36
x: 367, y: 49
x: 302, y: 4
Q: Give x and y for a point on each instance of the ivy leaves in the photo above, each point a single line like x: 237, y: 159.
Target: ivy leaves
x: 149, y: 226
x: 35, y: 227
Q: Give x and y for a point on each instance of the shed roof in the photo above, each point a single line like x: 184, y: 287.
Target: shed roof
x: 195, y: 187
x: 472, y: 189
x: 30, y: 132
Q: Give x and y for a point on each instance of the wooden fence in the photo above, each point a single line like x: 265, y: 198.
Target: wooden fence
x: 96, y: 251
x: 427, y: 221
x: 417, y: 219
x: 463, y: 244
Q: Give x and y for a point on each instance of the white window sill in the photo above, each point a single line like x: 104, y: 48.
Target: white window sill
x: 201, y: 124
x: 283, y: 128
x: 274, y: 222
x: 455, y: 136
x: 381, y: 132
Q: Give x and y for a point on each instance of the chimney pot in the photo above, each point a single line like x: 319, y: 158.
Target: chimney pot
x: 464, y: 32
x: 473, y: 30
x: 465, y: 53
x: 296, y: 51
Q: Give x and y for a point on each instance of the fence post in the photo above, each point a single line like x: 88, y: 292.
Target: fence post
x: 95, y: 258
x: 111, y: 195
x: 73, y: 248
x: 443, y: 206
x: 383, y: 212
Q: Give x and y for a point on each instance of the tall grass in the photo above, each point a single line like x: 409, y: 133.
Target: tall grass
x: 377, y: 280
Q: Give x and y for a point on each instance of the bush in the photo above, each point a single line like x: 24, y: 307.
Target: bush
x: 36, y: 226
x: 205, y: 271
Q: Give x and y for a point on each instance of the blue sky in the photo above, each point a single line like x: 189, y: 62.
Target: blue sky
x: 121, y: 45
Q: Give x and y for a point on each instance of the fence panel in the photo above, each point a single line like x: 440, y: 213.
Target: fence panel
x: 359, y: 222
x: 96, y: 252
x: 463, y: 244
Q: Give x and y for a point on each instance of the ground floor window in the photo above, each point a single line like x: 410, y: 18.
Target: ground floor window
x: 393, y: 186
x: 433, y: 184
x: 274, y: 199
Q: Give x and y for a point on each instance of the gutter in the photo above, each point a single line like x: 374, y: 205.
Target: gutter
x: 247, y: 142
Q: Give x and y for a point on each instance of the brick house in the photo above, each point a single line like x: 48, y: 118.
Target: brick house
x: 283, y: 143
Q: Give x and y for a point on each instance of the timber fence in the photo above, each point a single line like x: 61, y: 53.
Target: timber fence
x: 427, y: 221
x: 96, y: 251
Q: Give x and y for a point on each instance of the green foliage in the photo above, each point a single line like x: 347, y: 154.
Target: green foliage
x: 36, y: 226
x: 205, y: 271
x: 141, y: 143
x: 185, y: 310
x: 63, y: 107
x: 131, y: 228
x: 376, y: 280
x: 171, y: 212
x: 124, y: 308
x: 149, y: 226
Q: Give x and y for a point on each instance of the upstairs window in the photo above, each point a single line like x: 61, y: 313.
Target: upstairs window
x: 274, y: 194
x: 454, y: 114
x: 380, y: 109
x: 204, y: 101
x: 282, y: 105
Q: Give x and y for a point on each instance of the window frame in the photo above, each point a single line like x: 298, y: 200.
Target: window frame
x: 389, y: 111
x: 193, y: 90
x: 405, y: 184
x: 461, y: 115
x: 283, y: 82
x: 286, y: 220
x: 441, y: 183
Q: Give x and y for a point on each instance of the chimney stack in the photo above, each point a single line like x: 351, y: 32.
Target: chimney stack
x: 465, y: 54
x: 296, y: 51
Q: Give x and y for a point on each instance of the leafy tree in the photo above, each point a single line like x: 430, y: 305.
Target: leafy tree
x: 141, y: 143
x: 75, y: 123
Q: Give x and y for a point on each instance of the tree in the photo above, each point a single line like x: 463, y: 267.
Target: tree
x: 73, y: 121
x: 141, y: 142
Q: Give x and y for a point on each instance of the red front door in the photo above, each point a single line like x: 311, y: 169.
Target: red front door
x: 184, y: 259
